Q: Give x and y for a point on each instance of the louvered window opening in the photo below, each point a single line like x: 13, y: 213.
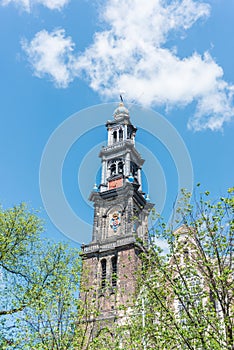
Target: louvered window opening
x: 103, y: 281
x: 114, y: 271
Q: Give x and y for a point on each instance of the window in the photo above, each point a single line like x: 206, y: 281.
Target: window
x: 190, y: 299
x: 103, y: 265
x: 120, y: 135
x: 114, y: 271
x: 116, y: 167
x: 115, y: 136
x: 113, y: 169
x: 129, y: 133
x: 133, y: 169
x: 120, y: 167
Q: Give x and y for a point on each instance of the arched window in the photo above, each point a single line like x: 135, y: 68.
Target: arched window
x: 120, y: 135
x: 128, y: 133
x: 113, y: 169
x: 120, y: 167
x: 133, y: 169
x: 114, y: 271
x: 114, y: 136
x: 103, y: 280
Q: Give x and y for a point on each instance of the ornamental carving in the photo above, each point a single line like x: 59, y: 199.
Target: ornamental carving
x: 115, y: 221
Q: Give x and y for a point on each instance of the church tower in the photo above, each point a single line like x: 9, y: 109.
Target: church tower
x: 111, y: 260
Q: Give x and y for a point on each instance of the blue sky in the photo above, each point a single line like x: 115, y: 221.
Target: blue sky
x: 59, y: 57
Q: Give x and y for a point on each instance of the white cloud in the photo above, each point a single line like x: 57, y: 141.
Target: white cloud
x: 53, y: 4
x: 131, y: 55
x: 27, y: 5
x: 214, y: 108
x: 51, y: 54
x: 23, y: 4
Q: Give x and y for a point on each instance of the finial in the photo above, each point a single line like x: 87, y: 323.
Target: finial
x: 130, y: 178
x: 95, y: 188
x: 121, y: 98
x: 147, y: 198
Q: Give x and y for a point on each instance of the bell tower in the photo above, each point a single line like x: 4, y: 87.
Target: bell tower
x: 111, y: 260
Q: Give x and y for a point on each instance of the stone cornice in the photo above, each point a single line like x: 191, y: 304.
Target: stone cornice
x: 128, y: 189
x: 123, y: 146
x: 117, y: 242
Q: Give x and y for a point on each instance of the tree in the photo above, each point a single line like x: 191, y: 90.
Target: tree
x: 40, y: 284
x: 185, y: 298
x: 39, y: 304
x: 19, y: 230
x: 188, y: 295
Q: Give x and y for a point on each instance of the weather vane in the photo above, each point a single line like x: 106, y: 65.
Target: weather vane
x: 121, y: 95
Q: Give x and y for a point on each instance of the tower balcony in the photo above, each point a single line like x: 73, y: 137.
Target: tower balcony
x: 119, y: 148
x: 115, y: 146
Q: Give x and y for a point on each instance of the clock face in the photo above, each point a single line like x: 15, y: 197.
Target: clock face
x: 115, y: 184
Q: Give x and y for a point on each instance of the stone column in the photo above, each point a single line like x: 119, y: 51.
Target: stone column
x: 125, y: 135
x: 109, y: 137
x: 127, y: 164
x: 103, y: 180
x: 107, y: 172
x: 95, y: 221
x: 139, y: 179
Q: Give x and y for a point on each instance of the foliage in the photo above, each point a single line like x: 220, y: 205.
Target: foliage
x: 185, y: 298
x: 39, y: 286
x: 188, y: 294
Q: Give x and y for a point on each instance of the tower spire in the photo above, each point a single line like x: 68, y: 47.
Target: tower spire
x: 120, y: 220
